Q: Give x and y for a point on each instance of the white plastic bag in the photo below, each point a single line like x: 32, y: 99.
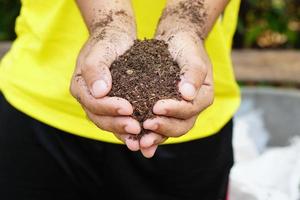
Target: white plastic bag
x: 260, y: 173
x: 275, y: 175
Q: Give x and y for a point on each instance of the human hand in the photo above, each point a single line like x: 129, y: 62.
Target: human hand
x: 176, y: 118
x: 109, y: 37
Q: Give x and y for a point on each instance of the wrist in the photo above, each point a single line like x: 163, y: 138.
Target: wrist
x: 179, y: 36
x: 109, y: 23
x: 184, y: 16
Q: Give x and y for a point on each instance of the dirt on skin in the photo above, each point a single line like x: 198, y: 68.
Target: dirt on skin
x: 145, y: 74
x: 105, y: 19
x: 190, y: 12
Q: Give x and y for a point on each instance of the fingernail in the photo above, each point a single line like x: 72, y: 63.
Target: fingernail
x: 188, y: 90
x: 99, y: 87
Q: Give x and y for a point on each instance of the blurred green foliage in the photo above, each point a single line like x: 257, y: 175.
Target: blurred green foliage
x: 9, y: 10
x: 268, y: 24
x: 262, y: 23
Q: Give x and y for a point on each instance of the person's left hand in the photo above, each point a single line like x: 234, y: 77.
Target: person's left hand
x: 176, y: 118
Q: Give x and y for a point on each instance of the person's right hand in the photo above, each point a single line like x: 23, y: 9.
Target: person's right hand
x: 92, y: 80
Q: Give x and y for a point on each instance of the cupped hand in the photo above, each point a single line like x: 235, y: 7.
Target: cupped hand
x: 91, y: 82
x: 176, y: 118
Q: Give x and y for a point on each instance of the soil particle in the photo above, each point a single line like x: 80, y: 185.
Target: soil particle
x: 145, y: 74
x: 192, y: 11
x: 104, y: 21
x: 101, y: 24
x: 121, y: 12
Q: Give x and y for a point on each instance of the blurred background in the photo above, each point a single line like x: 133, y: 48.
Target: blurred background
x: 268, y: 24
x: 262, y: 23
x: 266, y: 58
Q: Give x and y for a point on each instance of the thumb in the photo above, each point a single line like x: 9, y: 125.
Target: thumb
x: 96, y: 73
x: 193, y: 62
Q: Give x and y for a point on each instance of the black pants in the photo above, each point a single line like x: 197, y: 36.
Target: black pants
x: 39, y: 162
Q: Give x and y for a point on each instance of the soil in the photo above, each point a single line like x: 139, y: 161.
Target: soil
x: 145, y: 74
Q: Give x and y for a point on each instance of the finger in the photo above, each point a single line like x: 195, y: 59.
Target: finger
x: 119, y: 125
x: 170, y: 127
x: 193, y: 72
x: 150, y: 139
x: 110, y: 106
x: 95, y: 69
x: 123, y: 129
x: 191, y: 57
x: 184, y: 109
x: 149, y: 152
x: 130, y: 141
x: 132, y: 144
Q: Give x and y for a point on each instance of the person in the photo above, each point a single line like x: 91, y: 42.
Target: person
x: 55, y: 146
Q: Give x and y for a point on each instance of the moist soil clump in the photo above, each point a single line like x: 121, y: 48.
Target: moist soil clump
x: 145, y: 74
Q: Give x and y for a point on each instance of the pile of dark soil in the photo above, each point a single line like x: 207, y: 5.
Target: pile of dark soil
x: 145, y: 74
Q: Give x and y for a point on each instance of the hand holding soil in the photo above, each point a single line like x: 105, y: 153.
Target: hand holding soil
x: 111, y: 34
x: 143, y: 75
x: 167, y: 94
x: 183, y: 26
x: 183, y: 72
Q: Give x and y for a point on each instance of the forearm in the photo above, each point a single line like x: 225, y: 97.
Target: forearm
x: 197, y: 16
x: 99, y: 14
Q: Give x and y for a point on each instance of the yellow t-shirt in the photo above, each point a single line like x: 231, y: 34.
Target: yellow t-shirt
x: 35, y: 74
